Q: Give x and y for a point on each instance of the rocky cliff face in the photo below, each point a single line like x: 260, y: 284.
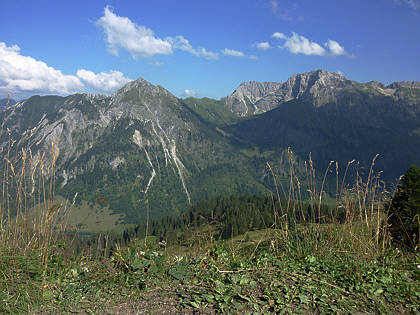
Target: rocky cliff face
x: 318, y: 88
x: 253, y: 98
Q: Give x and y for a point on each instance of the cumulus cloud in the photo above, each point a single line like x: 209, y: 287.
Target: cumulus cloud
x: 231, y: 52
x: 139, y: 41
x: 298, y: 44
x: 263, y: 45
x: 24, y: 75
x: 253, y: 57
x: 279, y: 35
x: 190, y: 92
x: 103, y: 81
x: 335, y: 48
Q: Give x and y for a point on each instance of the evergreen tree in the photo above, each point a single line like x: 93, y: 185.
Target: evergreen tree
x: 404, y: 210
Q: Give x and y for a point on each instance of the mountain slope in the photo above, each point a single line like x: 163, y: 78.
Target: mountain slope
x: 337, y: 119
x: 143, y: 151
x: 141, y: 148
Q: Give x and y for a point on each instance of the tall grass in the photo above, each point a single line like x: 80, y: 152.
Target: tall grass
x: 31, y: 223
x: 358, y: 226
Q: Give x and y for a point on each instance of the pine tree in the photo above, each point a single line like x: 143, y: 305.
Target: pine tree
x: 404, y: 212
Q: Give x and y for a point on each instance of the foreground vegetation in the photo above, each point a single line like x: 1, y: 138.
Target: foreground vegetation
x: 239, y: 254
x: 307, y: 270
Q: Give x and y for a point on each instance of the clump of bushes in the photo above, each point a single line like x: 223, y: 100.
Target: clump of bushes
x: 404, y: 210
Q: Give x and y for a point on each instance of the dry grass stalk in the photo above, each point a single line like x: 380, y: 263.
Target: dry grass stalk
x: 363, y: 231
x: 30, y: 220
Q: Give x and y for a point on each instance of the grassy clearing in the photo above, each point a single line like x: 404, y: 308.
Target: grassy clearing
x: 86, y: 217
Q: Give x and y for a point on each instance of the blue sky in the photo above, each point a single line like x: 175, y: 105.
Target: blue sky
x: 201, y: 48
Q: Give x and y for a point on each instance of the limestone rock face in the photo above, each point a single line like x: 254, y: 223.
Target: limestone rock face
x: 317, y: 87
x: 244, y: 101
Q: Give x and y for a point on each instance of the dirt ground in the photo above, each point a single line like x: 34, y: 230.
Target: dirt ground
x: 156, y: 302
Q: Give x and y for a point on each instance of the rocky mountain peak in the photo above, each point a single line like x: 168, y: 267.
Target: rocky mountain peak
x: 254, y: 90
x: 318, y: 88
x: 311, y: 83
x: 252, y: 97
x: 143, y: 89
x: 139, y: 84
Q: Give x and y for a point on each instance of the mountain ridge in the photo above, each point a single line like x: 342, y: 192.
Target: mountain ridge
x: 143, y: 148
x: 319, y: 87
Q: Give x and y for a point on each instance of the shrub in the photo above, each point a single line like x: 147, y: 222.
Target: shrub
x: 404, y: 210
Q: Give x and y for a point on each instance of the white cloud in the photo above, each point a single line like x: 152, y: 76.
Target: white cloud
x: 179, y: 42
x: 138, y: 40
x: 208, y: 54
x: 298, y: 44
x: 253, y: 57
x: 103, y: 81
x: 24, y: 75
x: 335, y: 48
x: 190, y: 92
x: 279, y: 35
x: 231, y: 52
x: 263, y: 45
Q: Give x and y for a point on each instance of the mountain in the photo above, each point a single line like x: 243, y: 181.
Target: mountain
x: 141, y: 148
x: 6, y: 101
x: 142, y: 151
x: 332, y: 118
x: 317, y: 88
